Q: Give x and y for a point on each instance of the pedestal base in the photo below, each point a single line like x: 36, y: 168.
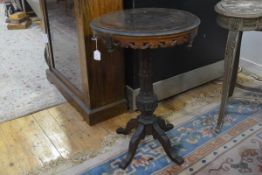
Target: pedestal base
x: 148, y: 125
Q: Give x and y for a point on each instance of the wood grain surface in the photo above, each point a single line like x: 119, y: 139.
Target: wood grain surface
x: 60, y: 132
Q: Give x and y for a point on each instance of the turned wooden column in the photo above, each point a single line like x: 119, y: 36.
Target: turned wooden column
x: 146, y: 100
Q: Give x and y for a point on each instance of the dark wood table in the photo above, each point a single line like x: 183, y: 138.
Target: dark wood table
x: 145, y: 29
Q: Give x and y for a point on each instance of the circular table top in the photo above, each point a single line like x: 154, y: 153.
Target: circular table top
x: 240, y: 8
x: 145, y: 22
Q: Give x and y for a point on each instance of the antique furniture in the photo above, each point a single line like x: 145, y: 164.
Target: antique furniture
x: 196, y: 66
x: 237, y: 17
x: 137, y: 29
x: 95, y: 88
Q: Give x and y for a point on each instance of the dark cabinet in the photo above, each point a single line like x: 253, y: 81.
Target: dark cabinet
x: 95, y: 88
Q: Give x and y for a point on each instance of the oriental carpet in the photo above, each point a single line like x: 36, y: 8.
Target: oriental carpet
x: 236, y: 150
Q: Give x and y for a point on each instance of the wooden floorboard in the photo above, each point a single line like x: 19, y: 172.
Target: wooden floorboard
x: 7, y: 158
x: 60, y: 132
x: 27, y: 145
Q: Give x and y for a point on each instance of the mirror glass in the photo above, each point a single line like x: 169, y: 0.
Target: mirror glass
x: 63, y: 31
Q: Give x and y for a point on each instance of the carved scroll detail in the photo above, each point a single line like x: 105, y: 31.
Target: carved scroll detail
x: 153, y: 42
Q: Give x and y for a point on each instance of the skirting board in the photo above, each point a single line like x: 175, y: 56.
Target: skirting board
x: 251, y: 66
x: 179, y: 83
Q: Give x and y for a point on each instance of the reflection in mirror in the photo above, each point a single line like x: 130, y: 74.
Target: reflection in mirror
x: 63, y: 32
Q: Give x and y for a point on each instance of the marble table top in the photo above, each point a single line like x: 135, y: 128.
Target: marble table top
x: 240, y: 8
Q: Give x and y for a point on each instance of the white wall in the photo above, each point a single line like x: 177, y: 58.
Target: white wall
x: 35, y: 4
x: 251, y: 52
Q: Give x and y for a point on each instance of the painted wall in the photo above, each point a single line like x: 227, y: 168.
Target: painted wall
x: 35, y: 4
x: 251, y: 52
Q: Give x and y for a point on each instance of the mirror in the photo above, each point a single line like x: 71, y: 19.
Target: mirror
x: 64, y: 40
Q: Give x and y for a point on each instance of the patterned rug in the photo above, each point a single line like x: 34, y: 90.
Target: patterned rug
x: 24, y: 88
x: 236, y: 150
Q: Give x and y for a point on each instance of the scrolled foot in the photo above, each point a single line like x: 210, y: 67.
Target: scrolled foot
x: 176, y: 158
x: 121, y: 131
x: 169, y: 126
x: 165, y: 142
x: 164, y: 125
x: 123, y: 164
x: 130, y: 125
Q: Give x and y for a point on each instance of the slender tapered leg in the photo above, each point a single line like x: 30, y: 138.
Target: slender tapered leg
x: 230, y: 56
x: 130, y: 125
x: 235, y: 67
x: 133, y: 144
x: 159, y: 134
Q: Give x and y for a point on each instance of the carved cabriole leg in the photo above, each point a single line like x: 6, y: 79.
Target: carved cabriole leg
x: 133, y: 144
x: 230, y: 56
x: 159, y: 134
x: 236, y: 64
x: 130, y: 125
